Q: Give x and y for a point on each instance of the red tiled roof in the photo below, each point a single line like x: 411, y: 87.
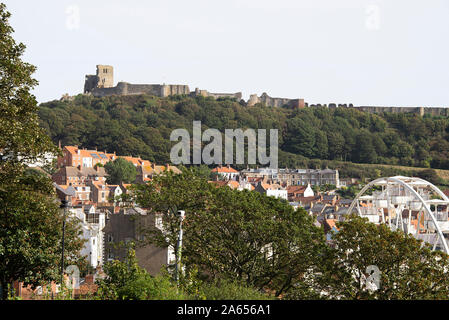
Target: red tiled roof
x: 331, y: 223
x: 222, y: 169
x: 296, y: 189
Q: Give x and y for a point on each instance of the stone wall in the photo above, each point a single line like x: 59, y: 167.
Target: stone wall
x: 124, y: 88
x: 275, y: 102
x: 101, y: 85
x: 437, y: 111
x: 205, y: 93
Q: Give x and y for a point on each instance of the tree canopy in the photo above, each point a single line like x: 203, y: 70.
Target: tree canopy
x: 230, y: 234
x: 141, y: 125
x: 406, y: 268
x: 30, y: 218
x: 120, y: 170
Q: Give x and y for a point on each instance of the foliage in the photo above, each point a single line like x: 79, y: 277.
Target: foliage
x: 30, y: 220
x: 230, y: 234
x: 120, y: 170
x: 231, y: 290
x: 348, y: 192
x: 408, y: 269
x: 141, y: 125
x: 127, y: 281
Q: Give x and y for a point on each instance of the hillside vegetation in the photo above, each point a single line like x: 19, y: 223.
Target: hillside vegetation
x: 141, y: 126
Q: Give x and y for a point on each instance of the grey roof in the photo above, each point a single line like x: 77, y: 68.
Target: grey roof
x: 135, y: 210
x: 345, y: 201
x: 294, y: 203
x: 88, y: 171
x: 318, y: 207
x: 343, y: 211
x: 286, y: 170
x: 70, y: 191
x: 87, y: 208
x: 71, y: 171
x: 329, y: 210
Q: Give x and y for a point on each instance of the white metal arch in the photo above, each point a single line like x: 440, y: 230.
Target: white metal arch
x: 400, y: 180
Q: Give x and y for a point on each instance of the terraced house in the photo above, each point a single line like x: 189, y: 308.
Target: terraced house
x: 288, y: 177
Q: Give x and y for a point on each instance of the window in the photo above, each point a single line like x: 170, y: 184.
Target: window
x: 158, y: 222
x: 110, y: 238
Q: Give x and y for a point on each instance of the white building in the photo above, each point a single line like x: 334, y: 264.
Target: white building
x: 226, y: 173
x: 272, y: 190
x: 92, y: 222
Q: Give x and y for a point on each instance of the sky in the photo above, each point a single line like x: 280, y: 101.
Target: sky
x: 365, y: 52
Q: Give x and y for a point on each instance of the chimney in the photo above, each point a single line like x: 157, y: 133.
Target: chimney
x: 59, y: 144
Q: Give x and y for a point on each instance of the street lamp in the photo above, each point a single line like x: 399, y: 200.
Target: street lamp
x: 64, y: 205
x: 66, y: 194
x: 180, y: 214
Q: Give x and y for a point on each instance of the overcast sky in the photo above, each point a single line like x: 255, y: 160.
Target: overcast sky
x: 365, y: 52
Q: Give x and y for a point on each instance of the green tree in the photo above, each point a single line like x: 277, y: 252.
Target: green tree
x: 300, y: 137
x: 230, y: 234
x: 253, y: 238
x: 30, y: 220
x: 231, y: 290
x: 408, y: 270
x: 125, y: 280
x: 120, y: 170
x: 165, y: 195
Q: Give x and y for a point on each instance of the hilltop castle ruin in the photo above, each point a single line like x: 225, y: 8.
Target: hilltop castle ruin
x: 102, y: 84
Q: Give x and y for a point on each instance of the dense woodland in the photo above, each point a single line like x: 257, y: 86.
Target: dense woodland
x: 141, y: 126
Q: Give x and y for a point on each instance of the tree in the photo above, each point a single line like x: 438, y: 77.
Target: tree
x: 120, y: 170
x: 300, y: 137
x: 30, y: 219
x: 165, y: 195
x: 253, y: 238
x: 125, y: 280
x: 408, y: 270
x: 365, y: 151
x: 231, y: 290
x: 230, y: 234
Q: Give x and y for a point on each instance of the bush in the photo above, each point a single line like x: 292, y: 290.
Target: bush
x: 231, y: 290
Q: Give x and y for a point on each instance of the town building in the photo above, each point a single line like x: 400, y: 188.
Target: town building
x: 288, y: 177
x: 272, y: 190
x: 295, y: 192
x: 129, y: 225
x: 226, y: 172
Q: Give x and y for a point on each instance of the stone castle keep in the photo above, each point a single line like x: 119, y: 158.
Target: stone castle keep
x: 102, y: 84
